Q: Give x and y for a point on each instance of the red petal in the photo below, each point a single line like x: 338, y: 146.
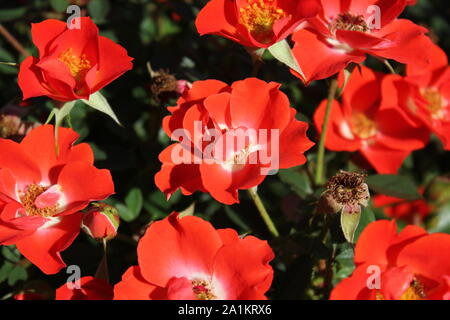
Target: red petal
x: 426, y: 256
x: 339, y: 135
x: 384, y: 159
x: 178, y: 248
x: 43, y: 247
x: 91, y: 289
x: 45, y: 32
x: 30, y: 79
x: 354, y: 287
x: 218, y: 17
x: 319, y: 60
x: 242, y: 268
x: 112, y: 63
x: 134, y: 287
x: 82, y: 183
x: 20, y: 164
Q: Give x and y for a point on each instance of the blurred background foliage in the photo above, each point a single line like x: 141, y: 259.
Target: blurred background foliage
x: 163, y: 33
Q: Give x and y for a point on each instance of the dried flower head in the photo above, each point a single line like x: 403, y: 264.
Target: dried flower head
x: 345, y: 191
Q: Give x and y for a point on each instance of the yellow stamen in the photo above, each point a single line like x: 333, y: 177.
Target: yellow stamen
x: 202, y: 290
x: 78, y: 65
x: 259, y: 16
x: 350, y: 22
x: 28, y: 197
x: 436, y: 103
x: 414, y: 292
x: 363, y: 127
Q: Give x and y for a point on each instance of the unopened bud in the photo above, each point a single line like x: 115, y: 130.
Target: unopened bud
x: 101, y: 221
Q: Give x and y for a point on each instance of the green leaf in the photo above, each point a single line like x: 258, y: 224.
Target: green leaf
x: 12, y: 14
x: 59, y: 5
x: 134, y: 201
x: 297, y: 180
x: 283, y: 53
x: 349, y: 223
x: 5, y: 270
x: 17, y: 273
x: 98, y: 9
x: 63, y: 112
x: 99, y: 102
x: 394, y: 186
x: 11, y: 253
x: 367, y: 217
x: 125, y: 213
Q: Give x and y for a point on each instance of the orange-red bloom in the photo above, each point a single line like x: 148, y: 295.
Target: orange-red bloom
x: 409, y: 211
x: 72, y: 63
x: 384, y: 136
x: 424, y: 94
x: 229, y: 138
x: 41, y: 193
x: 411, y: 265
x: 187, y: 259
x: 254, y: 23
x: 345, y: 31
x: 90, y: 289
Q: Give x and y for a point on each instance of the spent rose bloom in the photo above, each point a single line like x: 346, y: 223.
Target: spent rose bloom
x: 187, y: 259
x: 254, y: 23
x: 73, y: 63
x: 410, y: 265
x: 41, y: 193
x: 229, y: 138
x: 345, y: 31
x: 383, y: 136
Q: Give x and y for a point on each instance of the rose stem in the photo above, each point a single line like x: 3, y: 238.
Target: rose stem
x: 262, y: 210
x: 321, y: 151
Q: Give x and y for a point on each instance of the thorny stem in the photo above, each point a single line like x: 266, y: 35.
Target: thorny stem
x: 262, y: 210
x: 321, y: 152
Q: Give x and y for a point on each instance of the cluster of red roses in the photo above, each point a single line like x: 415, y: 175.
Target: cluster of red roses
x: 384, y: 117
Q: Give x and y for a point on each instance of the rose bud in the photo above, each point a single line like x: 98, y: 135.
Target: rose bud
x: 346, y: 192
x: 101, y: 221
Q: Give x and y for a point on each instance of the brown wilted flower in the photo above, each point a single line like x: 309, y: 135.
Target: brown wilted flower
x: 346, y: 191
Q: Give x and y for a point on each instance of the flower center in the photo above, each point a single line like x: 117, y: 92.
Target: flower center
x: 202, y: 290
x: 362, y: 126
x: 350, y: 22
x: 78, y: 65
x: 31, y: 202
x: 259, y: 16
x: 414, y: 292
x: 436, y: 103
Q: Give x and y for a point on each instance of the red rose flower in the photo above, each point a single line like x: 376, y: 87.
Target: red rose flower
x: 90, y: 289
x: 345, y: 31
x: 187, y: 259
x: 424, y: 94
x: 411, y: 265
x: 72, y: 63
x: 41, y: 193
x: 254, y: 23
x: 229, y: 138
x: 384, y: 136
x: 409, y: 211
